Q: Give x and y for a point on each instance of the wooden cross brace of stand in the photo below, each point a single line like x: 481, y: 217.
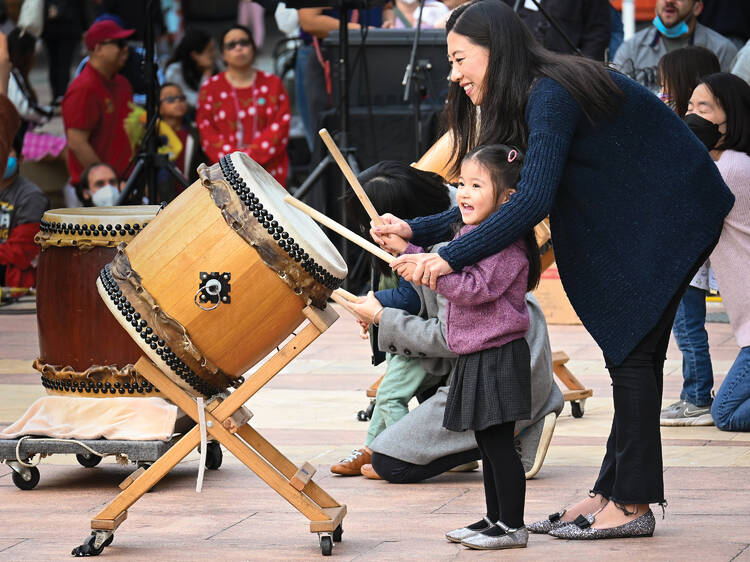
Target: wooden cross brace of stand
x: 293, y: 484
x: 576, y: 393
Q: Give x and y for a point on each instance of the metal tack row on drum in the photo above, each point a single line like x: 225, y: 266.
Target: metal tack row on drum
x: 220, y: 277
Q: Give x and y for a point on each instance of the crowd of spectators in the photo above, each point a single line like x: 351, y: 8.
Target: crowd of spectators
x: 244, y: 108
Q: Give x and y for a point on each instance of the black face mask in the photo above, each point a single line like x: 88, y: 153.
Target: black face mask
x: 707, y: 132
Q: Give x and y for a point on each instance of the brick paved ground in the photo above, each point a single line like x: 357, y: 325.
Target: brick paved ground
x: 308, y: 411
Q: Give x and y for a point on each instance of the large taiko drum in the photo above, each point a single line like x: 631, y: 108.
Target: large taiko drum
x: 83, y: 351
x: 220, y: 277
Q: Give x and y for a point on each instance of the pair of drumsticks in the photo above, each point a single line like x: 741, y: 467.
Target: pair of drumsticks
x: 342, y: 296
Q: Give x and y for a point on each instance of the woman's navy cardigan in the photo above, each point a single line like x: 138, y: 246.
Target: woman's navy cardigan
x: 633, y: 201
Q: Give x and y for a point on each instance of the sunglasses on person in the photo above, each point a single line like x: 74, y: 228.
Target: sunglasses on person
x: 229, y: 45
x: 173, y: 99
x: 121, y: 43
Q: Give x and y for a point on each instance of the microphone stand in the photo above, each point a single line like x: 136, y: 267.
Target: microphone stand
x: 412, y: 68
x: 148, y: 161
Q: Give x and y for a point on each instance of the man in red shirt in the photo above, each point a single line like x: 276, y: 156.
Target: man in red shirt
x: 96, y: 104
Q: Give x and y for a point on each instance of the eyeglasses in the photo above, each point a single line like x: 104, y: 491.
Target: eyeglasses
x: 121, y: 43
x: 173, y: 99
x: 228, y: 46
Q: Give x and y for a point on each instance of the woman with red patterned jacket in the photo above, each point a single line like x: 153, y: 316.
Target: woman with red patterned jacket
x: 244, y: 108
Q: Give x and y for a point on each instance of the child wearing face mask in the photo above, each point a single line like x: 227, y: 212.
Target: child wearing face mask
x: 719, y: 111
x: 490, y: 387
x: 680, y: 72
x: 22, y: 205
x: 99, y: 186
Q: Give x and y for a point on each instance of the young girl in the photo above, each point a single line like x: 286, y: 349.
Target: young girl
x: 173, y: 111
x: 486, y: 322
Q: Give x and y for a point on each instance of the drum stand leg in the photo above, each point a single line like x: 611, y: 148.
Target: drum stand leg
x: 292, y: 483
x: 576, y: 393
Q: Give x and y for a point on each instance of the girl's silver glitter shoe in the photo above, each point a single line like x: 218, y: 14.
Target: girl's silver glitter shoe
x: 643, y: 526
x: 457, y: 535
x: 511, y: 538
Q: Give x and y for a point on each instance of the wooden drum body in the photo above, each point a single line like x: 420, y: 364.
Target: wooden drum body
x: 233, y: 226
x: 83, y: 351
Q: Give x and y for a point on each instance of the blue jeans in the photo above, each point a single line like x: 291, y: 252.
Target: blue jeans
x: 692, y: 339
x: 731, y: 407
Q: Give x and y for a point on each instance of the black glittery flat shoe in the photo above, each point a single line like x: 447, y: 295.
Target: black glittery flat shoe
x: 643, y: 526
x: 553, y: 521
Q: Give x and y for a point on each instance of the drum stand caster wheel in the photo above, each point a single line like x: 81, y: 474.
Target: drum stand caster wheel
x: 24, y: 477
x: 88, y: 460
x: 577, y: 408
x: 326, y: 543
x: 366, y: 414
x: 94, y: 544
x: 214, y: 455
x: 337, y: 534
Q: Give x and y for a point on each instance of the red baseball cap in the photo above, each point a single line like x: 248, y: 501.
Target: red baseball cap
x: 103, y: 31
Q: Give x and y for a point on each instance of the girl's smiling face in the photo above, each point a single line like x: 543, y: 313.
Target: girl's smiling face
x: 477, y: 198
x: 469, y: 63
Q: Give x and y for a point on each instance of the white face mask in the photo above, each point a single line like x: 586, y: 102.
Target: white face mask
x: 106, y: 196
x: 409, y: 2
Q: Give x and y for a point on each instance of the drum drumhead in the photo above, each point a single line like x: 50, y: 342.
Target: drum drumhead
x: 102, y: 215
x: 302, y: 228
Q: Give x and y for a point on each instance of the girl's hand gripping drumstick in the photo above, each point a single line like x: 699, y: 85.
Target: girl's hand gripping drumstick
x: 351, y: 178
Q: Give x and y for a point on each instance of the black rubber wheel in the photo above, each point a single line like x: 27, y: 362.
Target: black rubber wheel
x: 108, y: 541
x: 362, y: 416
x: 89, y: 460
x: 326, y: 545
x: 370, y: 409
x: 214, y: 456
x: 576, y: 409
x: 30, y: 484
x: 87, y: 548
x: 337, y: 533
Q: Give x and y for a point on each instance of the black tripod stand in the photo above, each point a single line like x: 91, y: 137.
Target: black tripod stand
x: 147, y: 160
x: 414, y: 80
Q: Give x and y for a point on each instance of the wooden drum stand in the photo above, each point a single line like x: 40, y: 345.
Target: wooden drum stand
x: 292, y: 483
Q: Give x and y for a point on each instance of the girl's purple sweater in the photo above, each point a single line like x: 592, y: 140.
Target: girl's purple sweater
x: 487, y: 300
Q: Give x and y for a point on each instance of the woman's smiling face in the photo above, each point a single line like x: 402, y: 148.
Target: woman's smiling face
x: 469, y: 63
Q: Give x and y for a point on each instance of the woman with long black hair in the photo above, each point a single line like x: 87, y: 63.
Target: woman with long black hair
x: 635, y: 207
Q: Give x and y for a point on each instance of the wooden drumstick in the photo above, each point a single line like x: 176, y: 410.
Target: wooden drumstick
x: 346, y: 295
x: 340, y: 299
x: 351, y: 178
x: 340, y: 229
